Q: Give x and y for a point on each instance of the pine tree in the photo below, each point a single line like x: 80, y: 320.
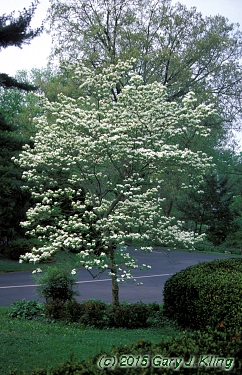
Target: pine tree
x: 13, y: 202
x: 16, y: 32
x: 209, y: 209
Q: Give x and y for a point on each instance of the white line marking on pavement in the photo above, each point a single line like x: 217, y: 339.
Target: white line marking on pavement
x: 16, y: 286
x: 162, y: 274
x: 135, y: 277
x: 85, y: 281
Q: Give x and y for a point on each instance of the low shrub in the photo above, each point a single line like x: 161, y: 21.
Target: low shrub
x: 54, y: 309
x: 94, y: 313
x: 73, y: 311
x: 17, y: 247
x: 100, y: 315
x: 205, y: 295
x: 130, y: 316
x: 157, y: 319
x: 56, y: 284
x: 58, y: 309
x: 26, y: 309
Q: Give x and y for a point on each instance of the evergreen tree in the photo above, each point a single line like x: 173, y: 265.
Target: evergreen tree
x: 208, y: 210
x: 13, y: 202
x: 16, y: 32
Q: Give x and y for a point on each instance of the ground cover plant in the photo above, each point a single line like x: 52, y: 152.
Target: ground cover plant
x: 188, y: 347
x: 27, y: 345
x: 41, y: 348
x: 27, y: 309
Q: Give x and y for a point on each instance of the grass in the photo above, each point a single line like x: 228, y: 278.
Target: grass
x: 27, y: 345
x: 6, y: 265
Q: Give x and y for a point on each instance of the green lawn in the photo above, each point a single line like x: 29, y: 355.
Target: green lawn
x: 27, y: 345
x: 6, y: 265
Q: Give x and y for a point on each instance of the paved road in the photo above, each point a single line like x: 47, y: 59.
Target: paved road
x: 14, y: 286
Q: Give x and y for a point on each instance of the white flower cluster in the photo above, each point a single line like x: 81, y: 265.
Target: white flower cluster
x: 37, y: 255
x: 38, y: 270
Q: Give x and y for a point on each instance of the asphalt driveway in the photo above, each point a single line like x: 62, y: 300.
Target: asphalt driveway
x: 20, y: 285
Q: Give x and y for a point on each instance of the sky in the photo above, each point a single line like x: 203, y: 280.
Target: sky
x: 30, y: 56
x: 36, y: 54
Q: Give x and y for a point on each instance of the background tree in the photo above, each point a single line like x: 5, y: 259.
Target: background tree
x: 230, y: 167
x: 171, y: 44
x: 14, y: 202
x: 52, y: 82
x: 97, y: 170
x: 208, y: 210
x: 19, y: 107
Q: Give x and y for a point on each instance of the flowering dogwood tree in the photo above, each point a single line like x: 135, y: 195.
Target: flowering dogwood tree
x: 96, y: 170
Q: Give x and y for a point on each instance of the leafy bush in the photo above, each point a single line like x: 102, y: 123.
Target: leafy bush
x: 57, y: 309
x: 158, y: 320
x: 208, y: 294
x: 90, y: 313
x: 94, y: 313
x: 17, y: 247
x: 54, y: 309
x: 73, y: 311
x: 98, y: 314
x: 56, y: 284
x: 26, y: 309
x: 130, y: 315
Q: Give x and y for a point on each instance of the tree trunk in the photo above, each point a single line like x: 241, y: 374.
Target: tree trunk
x: 115, y: 292
x: 115, y: 286
x: 169, y: 208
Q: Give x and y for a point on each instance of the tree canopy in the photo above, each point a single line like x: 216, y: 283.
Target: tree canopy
x: 97, y: 169
x: 173, y: 45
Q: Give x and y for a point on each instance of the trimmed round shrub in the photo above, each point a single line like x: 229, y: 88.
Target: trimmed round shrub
x: 205, y: 295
